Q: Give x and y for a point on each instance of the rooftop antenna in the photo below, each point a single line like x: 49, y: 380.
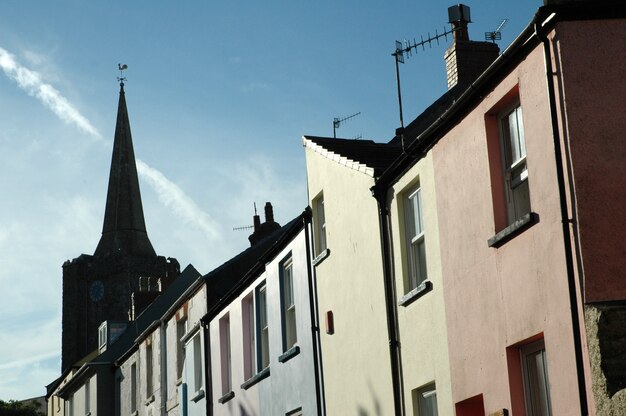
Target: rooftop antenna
x: 121, y: 78
x: 496, y: 34
x: 406, y: 48
x: 246, y: 227
x: 337, y: 122
x: 459, y: 16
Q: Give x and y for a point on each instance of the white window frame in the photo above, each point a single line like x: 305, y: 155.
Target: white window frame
x: 249, y: 335
x: 88, y: 397
x: 288, y: 305
x: 422, y: 398
x: 198, y: 373
x: 262, y: 328
x: 225, y: 354
x: 181, y: 331
x: 515, y: 170
x: 133, y: 387
x: 536, y: 379
x: 320, y: 224
x: 415, y: 238
x: 149, y: 368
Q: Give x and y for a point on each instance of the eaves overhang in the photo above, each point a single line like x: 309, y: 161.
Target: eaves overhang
x: 336, y: 157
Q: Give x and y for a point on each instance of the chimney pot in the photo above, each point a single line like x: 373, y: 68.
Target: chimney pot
x: 269, y: 212
x: 466, y: 59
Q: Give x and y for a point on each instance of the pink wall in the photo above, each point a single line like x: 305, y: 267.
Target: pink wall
x: 593, y: 66
x: 500, y: 298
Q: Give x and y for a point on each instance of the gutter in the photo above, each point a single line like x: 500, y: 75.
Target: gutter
x: 540, y: 32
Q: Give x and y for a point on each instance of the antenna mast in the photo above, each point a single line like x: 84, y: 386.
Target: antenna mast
x: 407, y: 48
x: 337, y: 122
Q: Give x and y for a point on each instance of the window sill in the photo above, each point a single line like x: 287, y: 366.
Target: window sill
x: 513, y: 230
x: 225, y: 398
x: 135, y: 413
x: 198, y: 395
x: 424, y: 287
x: 179, y: 381
x: 321, y: 257
x: 289, y: 354
x: 256, y: 378
x: 149, y: 400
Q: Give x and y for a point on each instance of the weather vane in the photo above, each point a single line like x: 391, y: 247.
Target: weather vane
x: 121, y: 78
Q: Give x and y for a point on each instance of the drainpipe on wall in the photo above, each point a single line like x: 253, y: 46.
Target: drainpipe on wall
x: 565, y: 220
x: 380, y: 193
x: 162, y: 333
x: 315, y: 327
x: 207, y: 370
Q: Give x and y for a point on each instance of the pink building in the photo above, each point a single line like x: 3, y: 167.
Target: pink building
x: 530, y: 182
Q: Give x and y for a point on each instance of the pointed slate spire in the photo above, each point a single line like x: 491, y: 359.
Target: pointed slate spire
x: 124, y: 229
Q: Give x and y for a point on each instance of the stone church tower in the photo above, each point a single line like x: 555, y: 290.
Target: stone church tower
x: 124, y: 274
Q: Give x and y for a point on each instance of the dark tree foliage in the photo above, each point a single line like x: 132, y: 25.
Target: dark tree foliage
x: 15, y: 408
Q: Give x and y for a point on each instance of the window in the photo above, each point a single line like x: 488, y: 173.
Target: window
x: 288, y: 307
x: 197, y: 363
x: 181, y: 330
x: 425, y: 401
x: 87, y: 396
x: 515, y: 170
x: 263, y: 346
x: 415, y: 245
x: 535, y: 378
x: 133, y: 388
x: 247, y: 317
x: 225, y: 354
x: 71, y: 406
x: 320, y: 224
x: 102, y: 336
x: 149, y: 371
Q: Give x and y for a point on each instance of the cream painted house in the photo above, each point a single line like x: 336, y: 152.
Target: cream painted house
x: 349, y: 269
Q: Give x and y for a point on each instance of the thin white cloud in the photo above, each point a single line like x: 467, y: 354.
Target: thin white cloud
x: 31, y: 82
x: 175, y: 198
x: 256, y: 86
x: 169, y: 193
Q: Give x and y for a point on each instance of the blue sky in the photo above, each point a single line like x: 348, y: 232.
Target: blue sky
x: 219, y: 95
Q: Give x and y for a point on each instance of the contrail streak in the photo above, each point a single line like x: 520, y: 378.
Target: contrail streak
x: 31, y: 82
x: 168, y: 192
x: 173, y: 197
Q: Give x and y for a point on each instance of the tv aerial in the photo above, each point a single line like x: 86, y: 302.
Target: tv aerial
x: 337, y: 122
x: 406, y: 48
x: 496, y: 34
x: 246, y: 227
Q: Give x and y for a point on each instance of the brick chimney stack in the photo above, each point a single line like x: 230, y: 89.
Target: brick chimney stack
x: 466, y: 59
x: 263, y: 230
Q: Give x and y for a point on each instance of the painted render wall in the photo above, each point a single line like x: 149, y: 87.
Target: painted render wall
x: 422, y: 323
x: 194, y: 309
x: 591, y: 67
x: 291, y: 384
x: 499, y: 297
x: 356, y: 362
x: 150, y: 405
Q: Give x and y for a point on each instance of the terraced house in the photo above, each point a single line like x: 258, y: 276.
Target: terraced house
x: 472, y: 264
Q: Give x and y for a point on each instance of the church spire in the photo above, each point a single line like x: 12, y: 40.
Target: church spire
x: 124, y: 229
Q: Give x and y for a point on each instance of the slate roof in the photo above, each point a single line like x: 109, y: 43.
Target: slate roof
x: 379, y: 156
x: 222, y: 279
